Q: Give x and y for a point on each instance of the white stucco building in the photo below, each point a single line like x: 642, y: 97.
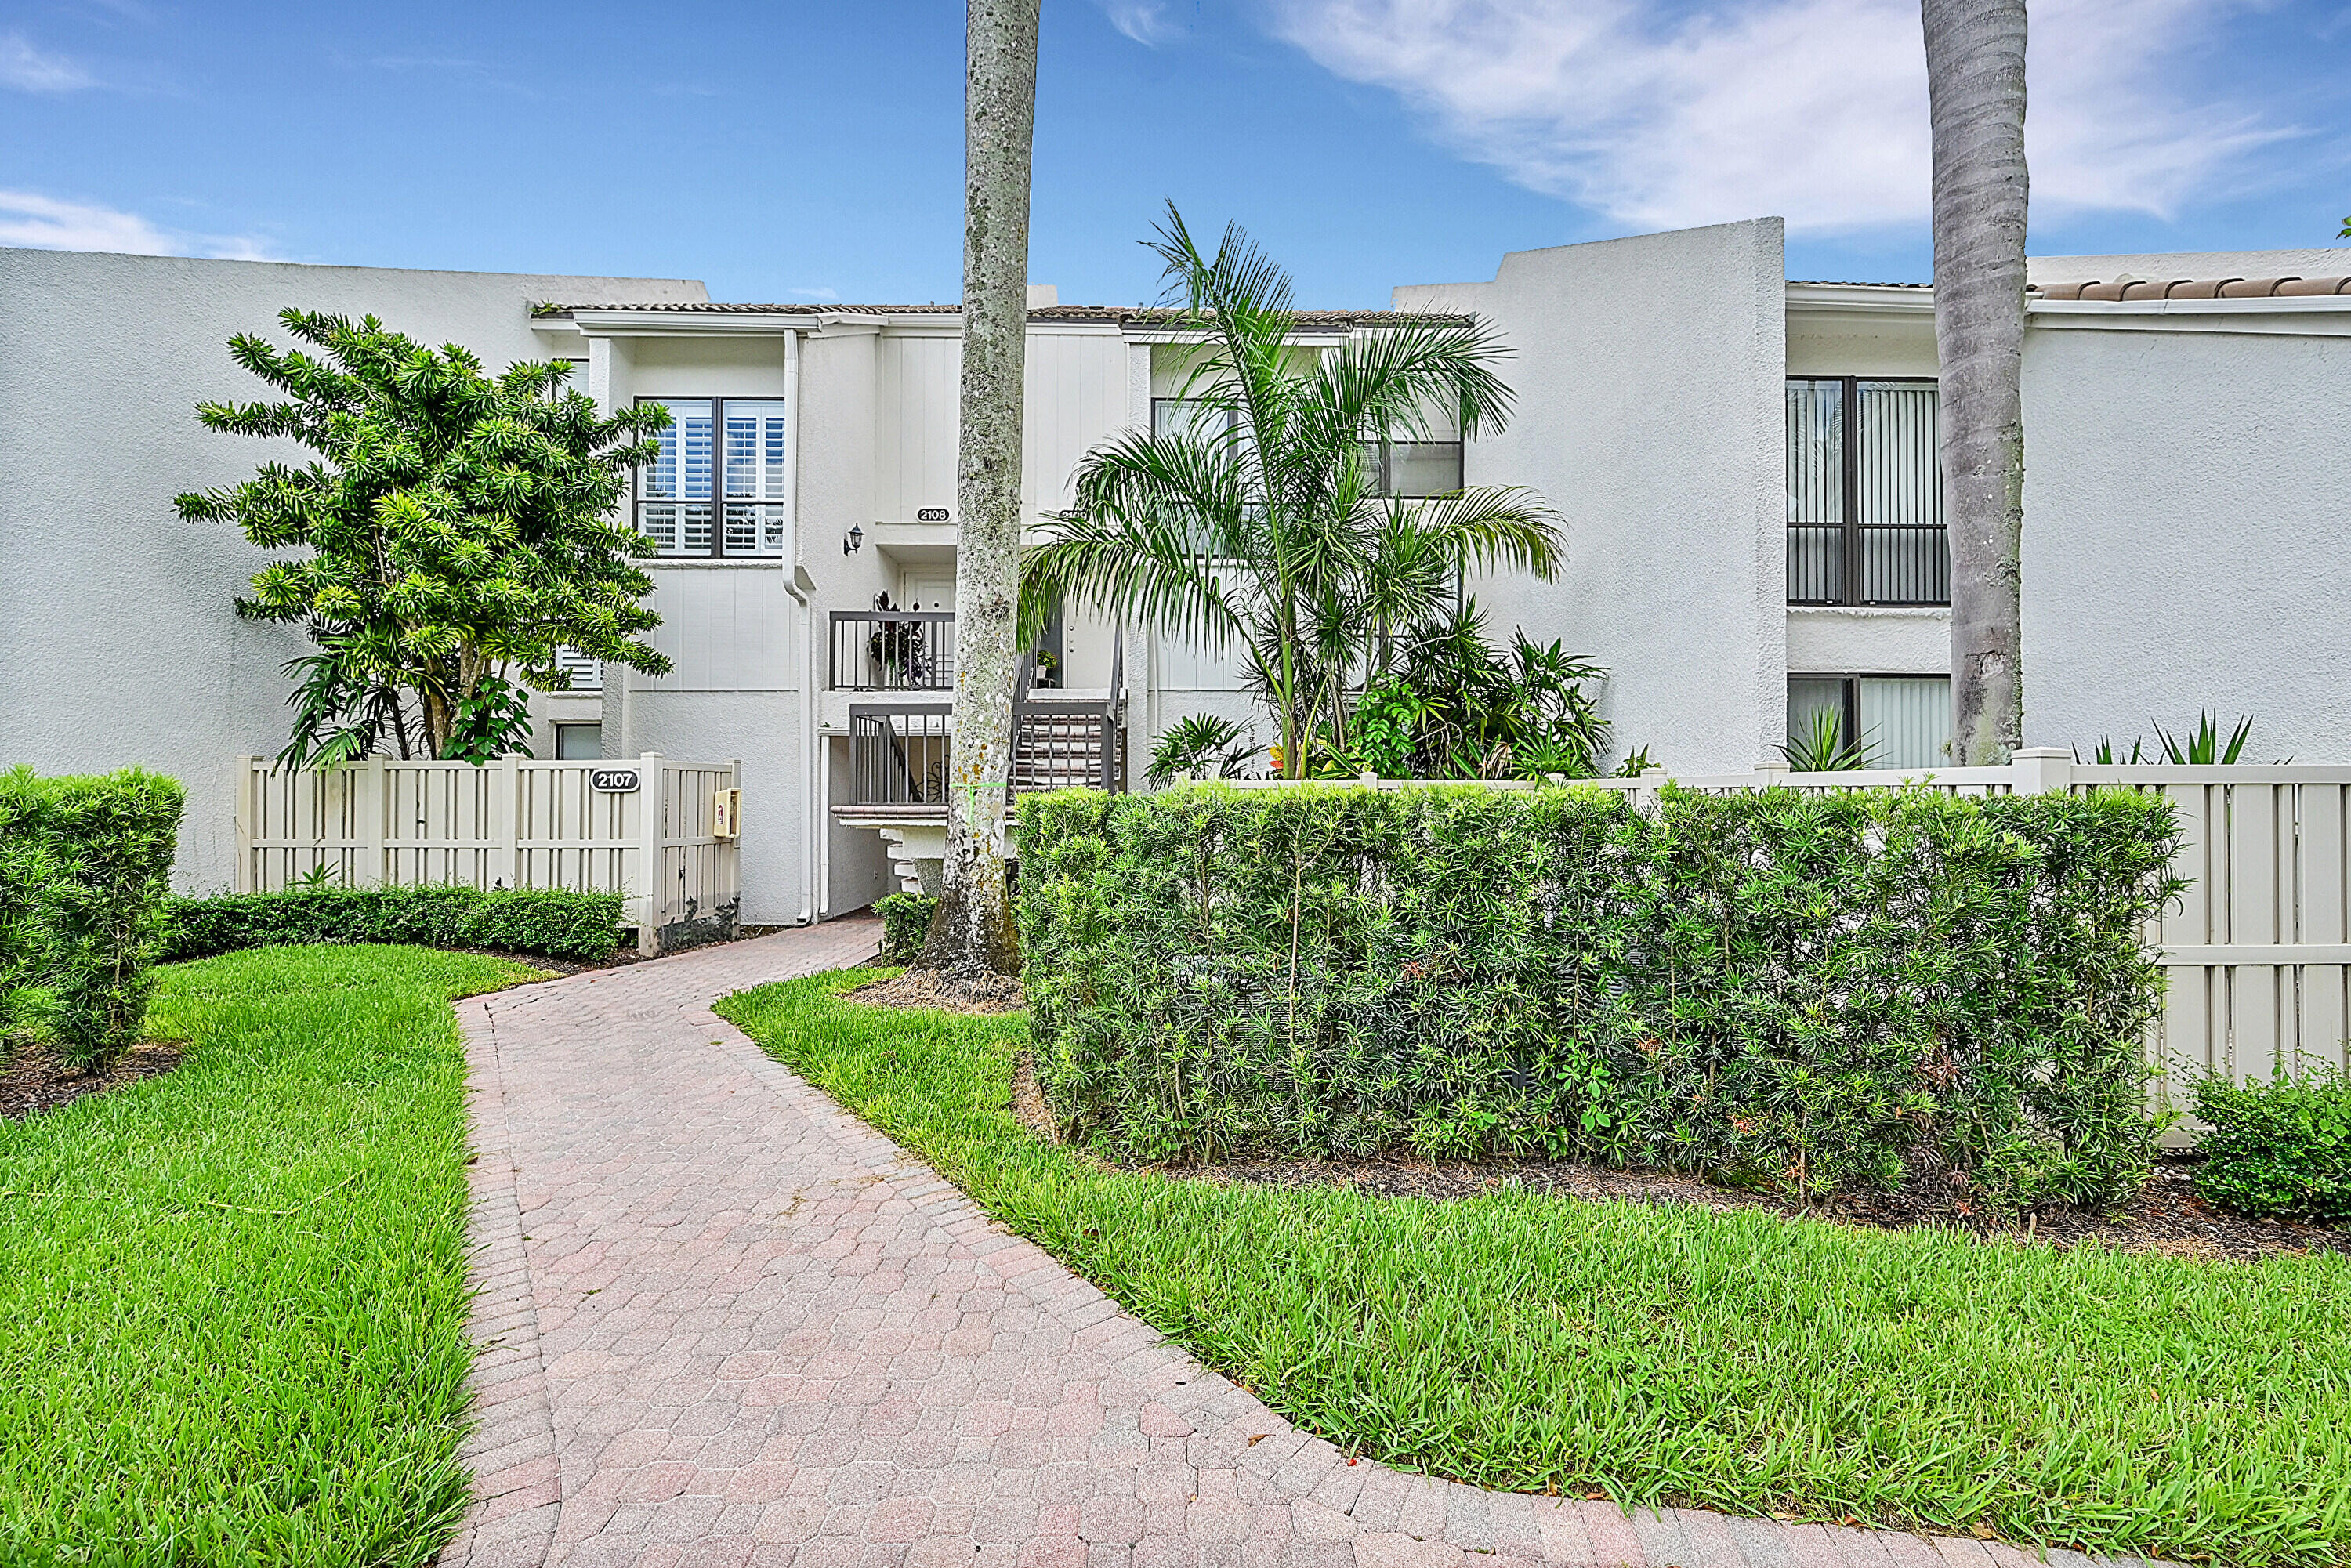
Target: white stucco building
x: 1745, y: 465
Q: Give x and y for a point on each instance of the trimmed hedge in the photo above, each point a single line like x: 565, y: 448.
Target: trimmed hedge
x: 2279, y: 1147
x: 906, y: 924
x: 85, y: 870
x: 1797, y: 990
x: 556, y: 923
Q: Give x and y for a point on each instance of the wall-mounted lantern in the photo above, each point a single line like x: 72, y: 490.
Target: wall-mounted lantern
x: 854, y: 541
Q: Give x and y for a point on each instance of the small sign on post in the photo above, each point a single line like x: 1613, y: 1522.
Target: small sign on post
x: 613, y: 780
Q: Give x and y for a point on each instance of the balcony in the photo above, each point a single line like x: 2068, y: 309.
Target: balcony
x: 893, y: 651
x: 1869, y: 564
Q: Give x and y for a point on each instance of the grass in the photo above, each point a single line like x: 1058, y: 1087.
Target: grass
x: 1743, y: 1361
x: 233, y: 1298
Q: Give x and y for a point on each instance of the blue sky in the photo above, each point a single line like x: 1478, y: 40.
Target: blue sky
x: 803, y: 152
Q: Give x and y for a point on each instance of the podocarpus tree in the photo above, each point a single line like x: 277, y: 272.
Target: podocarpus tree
x: 456, y: 527
x: 972, y: 933
x: 1975, y: 89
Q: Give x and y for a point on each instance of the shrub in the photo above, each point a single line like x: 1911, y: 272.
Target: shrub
x: 25, y: 869
x: 905, y: 923
x: 1802, y: 990
x: 551, y: 922
x: 87, y: 865
x: 2278, y: 1148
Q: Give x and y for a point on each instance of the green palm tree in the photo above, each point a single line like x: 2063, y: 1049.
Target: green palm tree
x: 1257, y: 525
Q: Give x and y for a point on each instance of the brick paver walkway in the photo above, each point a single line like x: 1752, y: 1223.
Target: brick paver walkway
x: 724, y: 1322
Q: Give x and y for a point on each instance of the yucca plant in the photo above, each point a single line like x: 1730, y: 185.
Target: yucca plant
x: 1820, y: 747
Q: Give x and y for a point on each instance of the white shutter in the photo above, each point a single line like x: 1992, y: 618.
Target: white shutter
x: 756, y: 475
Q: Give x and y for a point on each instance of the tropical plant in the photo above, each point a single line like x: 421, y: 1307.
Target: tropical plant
x: 1820, y: 747
x: 1450, y: 705
x: 2201, y: 747
x: 1637, y: 762
x: 1257, y: 525
x: 973, y: 934
x: 454, y: 530
x: 1200, y: 745
x: 1975, y: 94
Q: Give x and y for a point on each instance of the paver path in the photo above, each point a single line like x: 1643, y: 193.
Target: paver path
x: 725, y: 1323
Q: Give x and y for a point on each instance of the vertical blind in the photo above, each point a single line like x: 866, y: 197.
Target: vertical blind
x: 1864, y: 505
x: 1905, y: 720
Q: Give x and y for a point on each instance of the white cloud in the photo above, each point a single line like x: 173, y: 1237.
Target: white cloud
x: 821, y: 296
x: 1812, y: 108
x: 1144, y: 21
x: 43, y: 222
x: 28, y: 68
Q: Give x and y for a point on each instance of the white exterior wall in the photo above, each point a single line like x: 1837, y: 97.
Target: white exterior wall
x: 2186, y: 484
x: 1650, y: 414
x: 118, y: 640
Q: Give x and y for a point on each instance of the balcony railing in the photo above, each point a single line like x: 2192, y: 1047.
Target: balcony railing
x: 899, y: 752
x: 893, y: 651
x: 1870, y: 563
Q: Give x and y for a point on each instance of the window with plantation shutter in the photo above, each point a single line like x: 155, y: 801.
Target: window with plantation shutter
x: 718, y: 486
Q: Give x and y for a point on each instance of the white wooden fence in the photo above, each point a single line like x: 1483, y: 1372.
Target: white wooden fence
x: 2259, y: 948
x: 515, y: 823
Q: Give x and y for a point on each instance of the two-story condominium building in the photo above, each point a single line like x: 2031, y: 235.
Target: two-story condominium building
x: 1746, y: 467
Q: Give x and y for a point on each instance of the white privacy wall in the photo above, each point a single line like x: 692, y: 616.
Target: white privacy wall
x: 1649, y: 375
x: 2187, y: 492
x: 119, y: 642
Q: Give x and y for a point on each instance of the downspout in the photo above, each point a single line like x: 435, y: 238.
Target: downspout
x: 793, y: 572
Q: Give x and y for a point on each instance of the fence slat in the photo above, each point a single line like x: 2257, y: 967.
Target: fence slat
x: 516, y: 822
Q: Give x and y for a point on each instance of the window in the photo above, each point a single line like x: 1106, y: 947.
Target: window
x: 586, y: 675
x: 1865, y: 515
x: 738, y: 446
x: 1414, y: 470
x: 579, y: 742
x: 1182, y: 415
x: 1901, y: 721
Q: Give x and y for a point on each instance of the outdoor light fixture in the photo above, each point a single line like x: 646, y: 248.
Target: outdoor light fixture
x: 855, y: 541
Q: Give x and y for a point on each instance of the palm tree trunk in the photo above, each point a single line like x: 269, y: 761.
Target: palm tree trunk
x: 973, y: 933
x: 1975, y: 88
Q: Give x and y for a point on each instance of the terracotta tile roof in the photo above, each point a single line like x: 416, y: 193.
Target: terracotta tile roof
x: 2196, y: 288
x: 1121, y: 315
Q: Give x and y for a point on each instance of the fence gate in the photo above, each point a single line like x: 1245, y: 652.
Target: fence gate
x: 649, y: 829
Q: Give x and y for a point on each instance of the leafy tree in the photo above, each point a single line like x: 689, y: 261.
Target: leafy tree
x: 1258, y: 524
x: 458, y: 529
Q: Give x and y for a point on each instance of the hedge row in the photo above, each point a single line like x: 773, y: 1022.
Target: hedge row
x: 557, y: 924
x: 906, y: 924
x: 1805, y: 991
x: 85, y: 870
x: 2278, y: 1148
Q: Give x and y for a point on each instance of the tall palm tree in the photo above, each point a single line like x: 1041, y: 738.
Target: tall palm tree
x: 1256, y: 522
x: 972, y: 934
x: 1975, y: 89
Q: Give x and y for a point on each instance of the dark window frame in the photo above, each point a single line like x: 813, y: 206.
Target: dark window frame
x: 1849, y: 681
x: 717, y: 500
x: 1849, y: 478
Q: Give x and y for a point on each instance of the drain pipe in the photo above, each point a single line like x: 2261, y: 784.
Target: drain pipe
x: 798, y: 583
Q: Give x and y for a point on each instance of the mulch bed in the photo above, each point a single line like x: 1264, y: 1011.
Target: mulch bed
x: 31, y: 1079
x: 2166, y: 1218
x: 927, y: 988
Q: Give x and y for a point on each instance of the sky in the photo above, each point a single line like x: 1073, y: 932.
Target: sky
x: 793, y: 152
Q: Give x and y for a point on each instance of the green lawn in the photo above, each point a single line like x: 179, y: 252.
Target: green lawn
x: 233, y: 1298
x: 1738, y: 1361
